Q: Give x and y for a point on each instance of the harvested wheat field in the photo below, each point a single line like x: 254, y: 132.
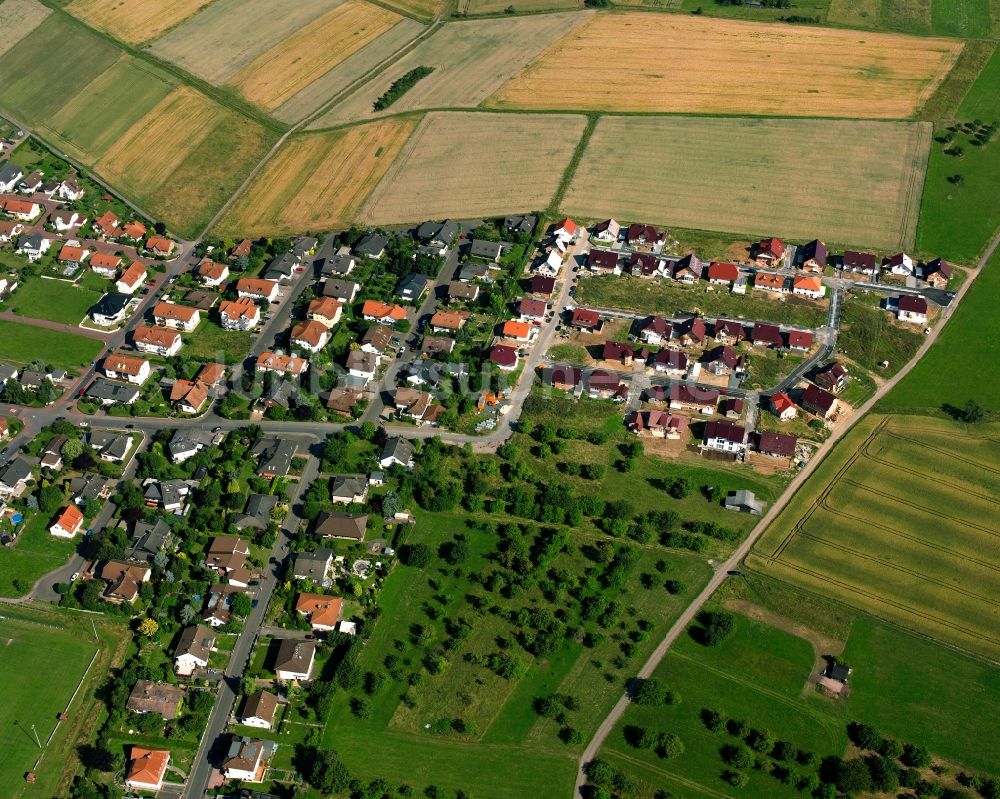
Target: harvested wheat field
x: 318, y: 180
x: 359, y: 63
x: 223, y: 38
x: 277, y: 75
x: 852, y: 182
x: 473, y: 164
x: 471, y: 60
x: 18, y: 18
x: 424, y: 10
x: 134, y: 21
x: 673, y: 63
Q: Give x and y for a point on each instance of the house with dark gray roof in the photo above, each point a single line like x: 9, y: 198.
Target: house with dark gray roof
x: 110, y: 309
x: 343, y: 290
x: 281, y: 268
x: 314, y: 566
x: 396, y: 451
x: 14, y: 478
x: 275, y: 457
x: 340, y: 264
x: 372, y: 245
x: 411, y: 287
x: 257, y: 511
x: 487, y: 250
x: 520, y: 224
x: 108, y: 393
x: 438, y: 235
x: 348, y: 489
x: 150, y: 539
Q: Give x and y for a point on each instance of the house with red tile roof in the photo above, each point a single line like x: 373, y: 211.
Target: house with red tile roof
x: 179, y: 317
x: 257, y: 289
x: 156, y: 340
x: 586, y: 320
x: 68, y: 523
x: 159, y: 246
x: 808, y: 286
x: 310, y: 335
x: 132, y: 278
x: 241, y: 314
x: 146, y: 768
x: 212, y: 273
x: 105, y: 265
x: 768, y: 252
x: 722, y: 274
x: 782, y: 406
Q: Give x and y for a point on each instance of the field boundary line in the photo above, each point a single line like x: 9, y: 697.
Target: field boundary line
x: 917, y: 473
x: 952, y: 455
x: 908, y: 503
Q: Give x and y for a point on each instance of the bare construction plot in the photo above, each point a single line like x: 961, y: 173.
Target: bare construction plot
x: 18, y: 18
x: 474, y: 164
x: 852, y: 182
x: 671, y: 63
x: 223, y: 38
x: 901, y: 520
x: 274, y: 77
x: 471, y: 60
x: 317, y: 180
x: 134, y: 21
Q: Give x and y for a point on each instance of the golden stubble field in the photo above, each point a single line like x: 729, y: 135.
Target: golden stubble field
x: 281, y: 72
x: 318, y: 180
x: 134, y: 21
x: 221, y: 39
x: 641, y: 62
x: 467, y: 164
x: 846, y: 181
x: 18, y: 18
x: 471, y: 60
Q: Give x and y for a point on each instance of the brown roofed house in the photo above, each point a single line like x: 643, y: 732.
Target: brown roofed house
x: 155, y: 697
x: 347, y: 526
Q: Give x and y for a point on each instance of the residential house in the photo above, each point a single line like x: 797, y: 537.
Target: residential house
x: 14, y: 477
x: 862, y: 263
x: 281, y: 268
x: 70, y: 190
x: 324, y: 310
x: 438, y: 235
x: 672, y: 363
x: 149, y: 539
x: 562, y: 377
x: 644, y: 264
x: 73, y: 255
x: 258, y: 710
x: 226, y: 555
x: 799, y: 340
x: 257, y: 513
x: 241, y: 250
x: 541, y: 284
x: 110, y: 309
x: 372, y: 245
x: 105, y: 265
x: 10, y: 175
x: 310, y: 335
x: 644, y: 236
x: 820, y: 402
x: 506, y: 358
x: 619, y: 352
x: 732, y: 407
x: 659, y: 424
x: 168, y: 495
x: 108, y: 225
x: 8, y: 230
x: 777, y: 445
x: 124, y: 580
x: 782, y: 406
x: 532, y: 310
x: 607, y: 231
x: 349, y: 488
x: 899, y: 264
x: 411, y: 287
x: 375, y: 311
x: 376, y: 340
x: 416, y: 405
x: 691, y: 332
x: 448, y: 321
x: 275, y: 457
x: 33, y: 246
x: 128, y: 368
x: 108, y: 393
x: 523, y: 225
x: 518, y: 331
x: 146, y: 768
x: 727, y: 331
x: 767, y: 281
x: 550, y: 265
x: 314, y: 566
x: 322, y: 612
x: 211, y: 273
x: 64, y: 220
x: 343, y: 400
x: 722, y: 360
x: 188, y: 442
x: 52, y: 453
x: 722, y: 274
x: 257, y: 289
x: 30, y: 183
x: 566, y: 230
x: 189, y: 396
x: 340, y: 264
x: 688, y: 269
x: 111, y: 447
x: 133, y: 230
x: 604, y: 261
x: 463, y: 292
x: 343, y: 290
x: 68, y: 523
x: 912, y: 309
x: 724, y: 436
x: 161, y: 698
x: 603, y: 384
x: 768, y: 252
x: 765, y: 335
x: 22, y: 210
x: 486, y: 250
x: 132, y: 278
x: 654, y: 330
x: 179, y: 317
x: 247, y: 759
x: 362, y: 364
x: 589, y: 321
x: 89, y: 486
x: 159, y: 246
x: 808, y: 286
x: 241, y: 314
x: 396, y: 452
x: 833, y: 377
x: 437, y: 345
x: 938, y: 273
x: 684, y: 397
x: 281, y: 364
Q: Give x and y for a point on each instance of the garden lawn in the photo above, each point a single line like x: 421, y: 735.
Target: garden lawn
x: 212, y: 342
x: 643, y: 296
x: 36, y: 553
x: 950, y: 373
x: 22, y: 343
x: 54, y: 300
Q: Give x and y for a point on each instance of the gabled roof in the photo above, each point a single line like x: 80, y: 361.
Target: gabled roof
x: 815, y: 250
x: 730, y: 329
x: 514, y: 329
x: 147, y: 766
x: 342, y: 525
x: 195, y: 640
x: 542, y: 284
x: 111, y: 304
x: 912, y: 304
x: 769, y: 280
x: 800, y: 339
x: 767, y: 334
x: 261, y: 705
x: 171, y: 310
x: 379, y: 310
x: 583, y: 317
x: 322, y: 610
x: 503, y: 355
x: 727, y: 431
x: 617, y: 351
x: 256, y: 286
x: 772, y: 247
x: 857, y: 261
x: 124, y: 364
x: 777, y: 444
x: 604, y: 259
x: 655, y: 323
x: 104, y: 261
x: 310, y: 331
x: 781, y: 402
x: 723, y: 271
x: 817, y: 398
x: 807, y: 283
x: 134, y: 275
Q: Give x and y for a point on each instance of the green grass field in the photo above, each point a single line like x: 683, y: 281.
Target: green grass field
x: 869, y: 336
x: 36, y: 86
x: 957, y: 221
x: 947, y: 375
x: 212, y: 342
x: 666, y: 297
x: 36, y: 553
x: 57, y: 300
x: 899, y: 521
x: 21, y: 344
x: 964, y: 18
x: 42, y: 665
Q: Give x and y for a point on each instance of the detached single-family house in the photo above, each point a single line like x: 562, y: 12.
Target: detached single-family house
x: 566, y: 230
x: 506, y: 358
x: 672, y: 363
x: 542, y: 284
x: 607, y: 231
x: 411, y: 287
x: 310, y: 335
x: 659, y: 424
x: 833, y: 377
x: 604, y: 262
x: 912, y: 309
x: 899, y: 264
x: 155, y: 697
x: 587, y: 320
x: 281, y: 364
x: 782, y: 406
x: 348, y: 489
x: 768, y: 252
x: 376, y: 340
x: 820, y: 402
x: 362, y: 364
x: 241, y: 314
x: 107, y: 224
x: 691, y: 332
x: 294, y: 660
x: 486, y: 250
x: 862, y: 263
x: 644, y: 236
x: 438, y: 235
x: 8, y: 230
x: 179, y: 317
x: 937, y: 273
x: 105, y: 265
x: 132, y: 278
x: 684, y: 397
x: 68, y: 523
x: 396, y: 452
x: 258, y: 710
x: 128, y: 368
x: 768, y: 281
x: 110, y: 309
x: 518, y: 331
x: 765, y: 335
x: 777, y: 445
x: 33, y: 246
x: 109, y: 393
x: 372, y: 245
x: 73, y: 255
x: 64, y: 221
x: 724, y: 436
x: 124, y: 580
x: 324, y: 310
x: 247, y: 759
x: 722, y: 274
x: 727, y: 331
x: 342, y: 525
x: 618, y: 352
x: 688, y: 269
x: 257, y: 289
x: 464, y: 292
x: 314, y: 566
x: 322, y: 612
x: 448, y: 321
x: 146, y: 768
x: 133, y: 230
x: 721, y: 360
x: 22, y: 210
x: 799, y: 340
x: 654, y: 330
x: 808, y: 286
x: 10, y: 176
x: 211, y: 273
x: 375, y: 311
x: 340, y: 264
x: 159, y: 246
x: 343, y: 290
